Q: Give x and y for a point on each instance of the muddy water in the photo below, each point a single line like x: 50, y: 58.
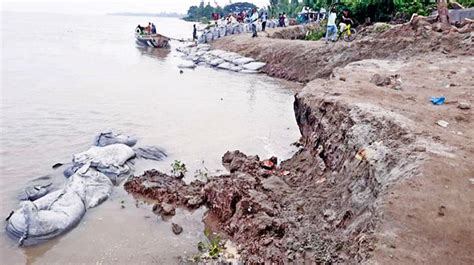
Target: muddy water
x: 67, y: 77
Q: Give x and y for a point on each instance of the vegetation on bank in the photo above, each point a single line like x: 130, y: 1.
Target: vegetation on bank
x: 203, y: 13
x: 363, y: 10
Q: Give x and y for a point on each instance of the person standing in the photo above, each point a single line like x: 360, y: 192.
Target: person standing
x: 254, y: 19
x: 194, y: 33
x: 331, y: 29
x: 264, y: 18
x: 346, y: 20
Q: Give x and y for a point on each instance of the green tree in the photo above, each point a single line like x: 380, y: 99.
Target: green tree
x: 239, y: 7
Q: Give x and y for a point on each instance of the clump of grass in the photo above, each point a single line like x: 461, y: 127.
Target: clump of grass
x: 381, y: 27
x: 178, y: 169
x: 317, y: 34
x: 202, y: 174
x: 213, y: 247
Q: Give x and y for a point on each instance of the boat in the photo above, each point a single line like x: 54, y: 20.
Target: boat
x: 148, y: 37
x: 152, y: 40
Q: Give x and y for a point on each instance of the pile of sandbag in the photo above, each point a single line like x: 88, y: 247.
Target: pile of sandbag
x: 218, y: 32
x: 202, y: 55
x: 92, y: 175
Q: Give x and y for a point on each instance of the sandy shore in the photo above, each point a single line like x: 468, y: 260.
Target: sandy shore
x: 376, y: 180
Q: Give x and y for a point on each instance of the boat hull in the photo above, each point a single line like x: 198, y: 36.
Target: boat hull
x: 154, y: 41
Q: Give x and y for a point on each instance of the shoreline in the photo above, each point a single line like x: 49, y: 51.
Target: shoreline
x: 375, y: 175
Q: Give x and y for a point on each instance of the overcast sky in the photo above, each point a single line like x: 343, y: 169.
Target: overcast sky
x: 108, y: 6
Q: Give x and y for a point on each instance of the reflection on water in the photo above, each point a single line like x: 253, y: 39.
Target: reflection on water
x: 159, y: 54
x: 62, y: 89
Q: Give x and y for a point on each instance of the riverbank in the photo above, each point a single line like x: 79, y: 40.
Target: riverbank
x: 377, y: 179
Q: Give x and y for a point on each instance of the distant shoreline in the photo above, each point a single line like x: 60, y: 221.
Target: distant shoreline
x: 173, y: 15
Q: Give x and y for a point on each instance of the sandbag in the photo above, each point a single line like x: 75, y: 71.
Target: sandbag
x: 91, y: 181
x: 108, y: 138
x: 61, y: 210
x: 110, y: 160
x: 243, y: 60
x: 225, y: 66
x: 254, y: 66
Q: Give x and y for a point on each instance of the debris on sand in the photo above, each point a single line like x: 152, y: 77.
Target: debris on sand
x: 442, y: 210
x: 442, y: 123
x: 379, y: 80
x: 464, y: 105
x: 177, y: 229
x: 438, y: 100
x: 164, y: 209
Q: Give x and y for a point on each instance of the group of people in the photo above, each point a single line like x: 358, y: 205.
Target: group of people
x: 282, y: 20
x: 331, y: 30
x: 254, y: 17
x: 150, y: 29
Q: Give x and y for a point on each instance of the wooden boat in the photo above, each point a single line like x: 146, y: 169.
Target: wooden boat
x: 152, y: 40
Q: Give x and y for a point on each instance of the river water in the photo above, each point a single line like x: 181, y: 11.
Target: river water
x: 67, y: 77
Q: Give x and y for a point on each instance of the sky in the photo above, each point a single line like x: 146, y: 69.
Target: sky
x: 109, y: 6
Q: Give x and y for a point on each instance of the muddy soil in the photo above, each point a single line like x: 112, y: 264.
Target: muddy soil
x: 321, y: 205
x: 376, y: 180
x: 303, y: 61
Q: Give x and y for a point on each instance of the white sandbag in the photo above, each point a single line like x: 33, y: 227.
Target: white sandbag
x: 225, y: 66
x: 203, y: 47
x: 187, y: 64
x: 216, y: 62
x: 110, y: 160
x: 236, y: 68
x: 244, y: 71
x: 108, y: 138
x: 255, y: 66
x: 243, y: 60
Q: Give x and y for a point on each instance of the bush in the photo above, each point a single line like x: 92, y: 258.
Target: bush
x: 466, y: 3
x: 317, y: 34
x: 205, y: 20
x: 381, y: 27
x: 314, y: 35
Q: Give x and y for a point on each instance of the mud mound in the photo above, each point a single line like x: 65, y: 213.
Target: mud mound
x: 321, y: 205
x: 293, y: 32
x: 303, y: 61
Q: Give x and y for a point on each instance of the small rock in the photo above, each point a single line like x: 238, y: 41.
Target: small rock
x: 472, y: 181
x: 195, y: 201
x: 464, y: 105
x: 177, y: 229
x: 57, y: 165
x: 442, y: 123
x: 442, y: 210
x: 267, y: 241
x: 379, y: 80
x: 267, y: 164
x: 342, y: 79
x: 420, y: 149
x: 181, y: 71
x: 164, y: 209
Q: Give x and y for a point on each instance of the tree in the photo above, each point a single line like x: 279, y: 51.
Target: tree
x: 239, y: 7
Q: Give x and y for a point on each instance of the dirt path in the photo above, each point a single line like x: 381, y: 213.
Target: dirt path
x: 427, y: 217
x: 303, y: 61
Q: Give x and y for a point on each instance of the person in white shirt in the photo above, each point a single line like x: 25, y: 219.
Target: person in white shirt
x: 331, y: 29
x: 254, y: 19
